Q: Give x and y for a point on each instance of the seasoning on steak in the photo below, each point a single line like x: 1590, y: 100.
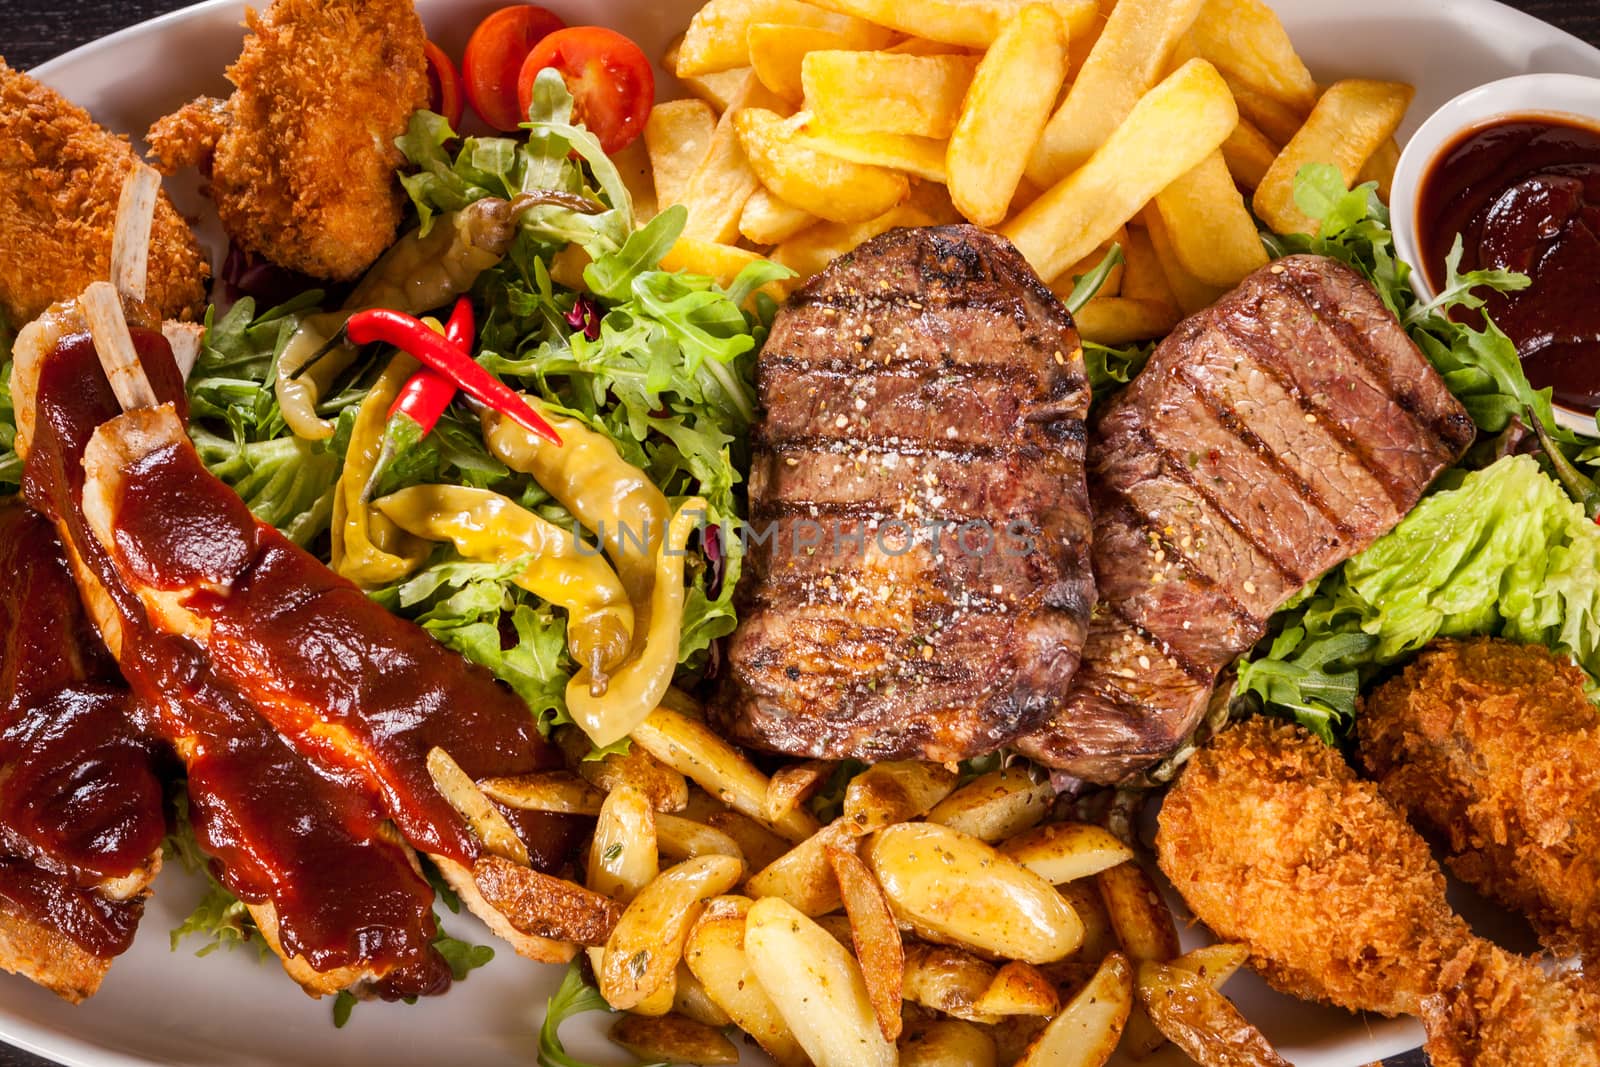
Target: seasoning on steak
x: 1270, y: 438
x: 928, y: 378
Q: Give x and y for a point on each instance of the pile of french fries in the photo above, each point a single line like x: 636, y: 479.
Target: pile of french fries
x: 933, y: 921
x: 1066, y: 125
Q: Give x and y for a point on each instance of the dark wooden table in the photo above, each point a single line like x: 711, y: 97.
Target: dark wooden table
x: 32, y: 31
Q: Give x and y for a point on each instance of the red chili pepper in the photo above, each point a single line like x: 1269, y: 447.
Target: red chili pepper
x: 426, y: 395
x: 411, y: 335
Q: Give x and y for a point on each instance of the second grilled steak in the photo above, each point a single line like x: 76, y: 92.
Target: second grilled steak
x: 929, y: 378
x: 1270, y: 438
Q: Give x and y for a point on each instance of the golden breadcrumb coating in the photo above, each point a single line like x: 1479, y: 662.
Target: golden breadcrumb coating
x: 1501, y: 1010
x: 1273, y: 841
x: 1495, y: 747
x: 302, y: 158
x: 60, y: 178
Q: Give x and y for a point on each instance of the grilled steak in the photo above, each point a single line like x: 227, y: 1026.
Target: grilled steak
x: 929, y: 378
x: 1271, y: 437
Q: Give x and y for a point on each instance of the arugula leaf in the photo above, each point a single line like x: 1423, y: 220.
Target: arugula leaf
x: 1461, y: 290
x: 1086, y: 285
x: 343, y: 1005
x: 462, y: 956
x: 1111, y: 368
x: 573, y: 998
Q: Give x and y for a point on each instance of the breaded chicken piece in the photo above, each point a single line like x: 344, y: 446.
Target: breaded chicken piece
x: 1273, y: 841
x: 301, y: 157
x: 60, y: 177
x: 1495, y: 747
x: 1501, y: 1010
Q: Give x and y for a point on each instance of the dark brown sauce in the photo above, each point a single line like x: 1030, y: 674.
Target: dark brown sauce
x: 277, y: 828
x: 1524, y: 194
x: 313, y: 651
x: 81, y: 800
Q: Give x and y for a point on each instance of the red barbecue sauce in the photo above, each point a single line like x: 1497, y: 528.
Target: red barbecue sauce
x: 1524, y: 194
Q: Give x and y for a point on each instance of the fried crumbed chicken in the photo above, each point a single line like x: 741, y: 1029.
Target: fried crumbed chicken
x: 60, y: 177
x: 1502, y: 1010
x: 301, y: 157
x: 1273, y: 841
x: 1495, y: 747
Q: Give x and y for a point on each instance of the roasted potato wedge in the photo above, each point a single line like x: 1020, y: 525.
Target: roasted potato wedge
x: 1086, y: 1032
x: 817, y: 987
x: 793, y: 785
x: 673, y: 1039
x: 1066, y: 851
x: 895, y: 791
x: 947, y: 1043
x: 1019, y: 989
x: 802, y: 876
x: 1200, y: 1020
x: 875, y: 937
x: 715, y: 954
x: 645, y: 947
x: 948, y: 980
x: 997, y: 805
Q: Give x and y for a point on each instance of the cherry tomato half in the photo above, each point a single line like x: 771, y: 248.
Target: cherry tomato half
x: 611, y: 81
x: 494, y: 57
x: 444, y: 85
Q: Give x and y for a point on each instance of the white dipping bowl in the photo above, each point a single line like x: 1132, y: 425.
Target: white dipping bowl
x: 1559, y: 96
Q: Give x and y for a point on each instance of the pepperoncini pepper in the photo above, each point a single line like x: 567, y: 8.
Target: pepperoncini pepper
x: 484, y: 525
x: 369, y: 549
x: 417, y: 274
x: 639, y: 685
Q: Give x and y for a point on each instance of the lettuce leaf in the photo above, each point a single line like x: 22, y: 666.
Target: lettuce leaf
x: 10, y: 462
x: 1501, y: 552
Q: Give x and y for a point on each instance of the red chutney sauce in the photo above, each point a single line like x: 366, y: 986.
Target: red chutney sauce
x: 1524, y: 194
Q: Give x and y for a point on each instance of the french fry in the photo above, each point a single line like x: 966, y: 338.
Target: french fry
x: 921, y: 46
x: 622, y: 857
x: 718, y: 35
x: 1121, y: 320
x: 826, y: 186
x: 1019, y: 989
x: 717, y: 190
x: 1245, y: 39
x: 1191, y: 293
x: 491, y: 827
x: 1213, y: 234
x: 672, y: 1039
x: 922, y: 157
x: 691, y: 1000
x: 644, y: 949
x: 793, y: 785
x: 1248, y: 153
x: 817, y: 987
x: 1142, y: 276
x: 973, y: 896
x: 1005, y: 110
x: 719, y: 261
x: 948, y: 980
x: 715, y: 954
x: 691, y: 748
x: 767, y: 220
x: 875, y: 937
x: 947, y: 1043
x: 802, y: 876
x: 1064, y: 852
x: 1086, y: 1032
x: 1349, y: 124
x: 1380, y: 168
x: 997, y: 805
x: 1175, y: 126
x: 1127, y: 60
x: 637, y: 172
x: 681, y: 839
x: 1143, y: 922
x: 895, y: 791
x: 814, y: 248
x: 721, y: 90
x: 1200, y: 1020
x: 777, y: 50
x: 968, y: 23
x: 677, y: 136
x: 932, y: 199
x: 885, y: 92
x: 555, y: 791
x: 1275, y: 119
x: 666, y: 789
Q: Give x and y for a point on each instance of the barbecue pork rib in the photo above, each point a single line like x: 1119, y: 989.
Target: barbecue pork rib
x: 920, y: 579
x: 1270, y: 437
x: 81, y: 811
x: 333, y: 890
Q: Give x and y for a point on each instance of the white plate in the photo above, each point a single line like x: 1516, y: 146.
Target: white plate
x: 227, y: 1010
